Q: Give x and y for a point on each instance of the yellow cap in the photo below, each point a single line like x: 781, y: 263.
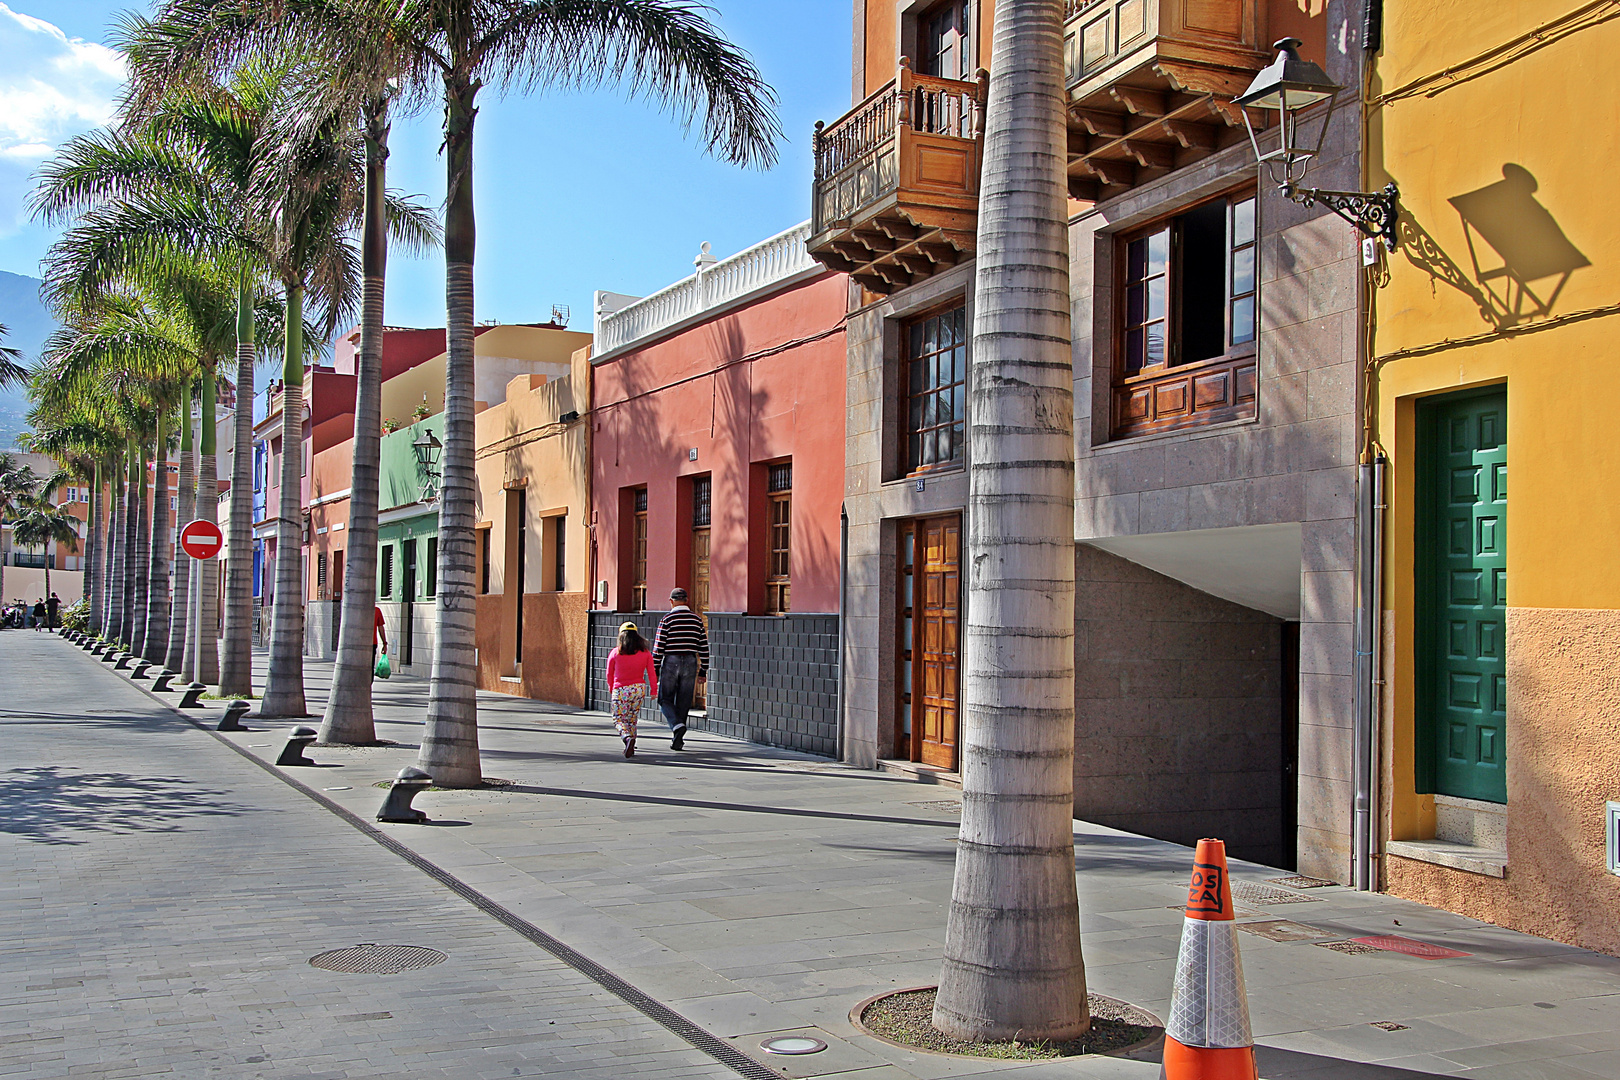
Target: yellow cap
x: 629, y: 626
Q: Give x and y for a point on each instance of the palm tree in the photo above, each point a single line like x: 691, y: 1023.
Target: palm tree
x: 17, y: 482
x: 1012, y: 966
x: 11, y: 373
x: 186, y: 505
x: 40, y: 524
x: 81, y: 447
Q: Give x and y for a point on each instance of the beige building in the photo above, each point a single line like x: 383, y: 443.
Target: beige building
x: 533, y: 531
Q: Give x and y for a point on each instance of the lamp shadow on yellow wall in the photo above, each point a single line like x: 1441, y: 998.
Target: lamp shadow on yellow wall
x: 1519, y: 259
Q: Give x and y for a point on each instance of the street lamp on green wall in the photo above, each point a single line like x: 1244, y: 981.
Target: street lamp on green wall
x: 428, y: 448
x: 1295, y: 89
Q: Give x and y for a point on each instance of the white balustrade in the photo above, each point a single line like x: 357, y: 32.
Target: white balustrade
x: 775, y: 260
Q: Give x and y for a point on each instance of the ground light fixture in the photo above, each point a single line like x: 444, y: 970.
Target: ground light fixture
x: 1304, y: 98
x: 793, y: 1045
x: 428, y: 448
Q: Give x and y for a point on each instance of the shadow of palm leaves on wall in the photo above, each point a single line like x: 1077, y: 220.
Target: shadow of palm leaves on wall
x: 50, y: 804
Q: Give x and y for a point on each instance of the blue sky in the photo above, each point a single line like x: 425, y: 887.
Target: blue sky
x: 575, y: 192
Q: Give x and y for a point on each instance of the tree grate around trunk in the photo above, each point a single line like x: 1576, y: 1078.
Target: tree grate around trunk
x: 1300, y: 881
x: 905, y: 1018
x: 378, y: 959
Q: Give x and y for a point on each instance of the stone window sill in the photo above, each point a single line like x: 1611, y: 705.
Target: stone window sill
x: 1463, y: 857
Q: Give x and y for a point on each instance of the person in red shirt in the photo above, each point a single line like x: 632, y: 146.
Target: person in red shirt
x: 379, y: 628
x: 630, y: 674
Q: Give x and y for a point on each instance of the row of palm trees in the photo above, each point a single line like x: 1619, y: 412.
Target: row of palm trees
x: 247, y: 165
x: 238, y: 204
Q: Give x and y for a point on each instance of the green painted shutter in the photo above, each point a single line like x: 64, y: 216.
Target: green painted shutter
x: 1462, y: 597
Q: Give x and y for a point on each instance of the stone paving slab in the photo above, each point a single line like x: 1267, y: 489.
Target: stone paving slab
x: 757, y: 890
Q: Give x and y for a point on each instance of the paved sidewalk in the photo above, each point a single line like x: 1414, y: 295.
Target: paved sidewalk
x: 757, y: 891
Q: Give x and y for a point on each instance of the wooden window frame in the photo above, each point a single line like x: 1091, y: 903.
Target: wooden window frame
x: 779, y: 538
x: 910, y: 465
x: 385, y: 572
x: 1171, y: 396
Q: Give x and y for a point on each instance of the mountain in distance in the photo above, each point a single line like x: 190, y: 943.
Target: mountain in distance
x: 29, y: 324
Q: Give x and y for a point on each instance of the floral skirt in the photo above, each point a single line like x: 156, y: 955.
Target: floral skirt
x: 627, y: 708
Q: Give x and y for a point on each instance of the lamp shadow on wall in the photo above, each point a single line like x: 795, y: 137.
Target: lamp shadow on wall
x: 1519, y: 259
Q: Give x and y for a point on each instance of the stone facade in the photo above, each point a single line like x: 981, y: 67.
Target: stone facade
x: 772, y: 679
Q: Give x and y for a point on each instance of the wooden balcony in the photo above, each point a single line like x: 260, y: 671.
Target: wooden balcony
x: 896, y: 194
x: 1151, y: 84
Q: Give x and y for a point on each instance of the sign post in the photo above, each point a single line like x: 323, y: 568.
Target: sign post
x: 201, y: 539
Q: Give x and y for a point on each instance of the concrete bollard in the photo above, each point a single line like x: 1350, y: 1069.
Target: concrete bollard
x: 163, y: 681
x: 397, y: 808
x: 124, y: 661
x: 141, y: 668
x: 193, y: 696
x: 233, y: 716
x: 97, y: 648
x: 297, y: 742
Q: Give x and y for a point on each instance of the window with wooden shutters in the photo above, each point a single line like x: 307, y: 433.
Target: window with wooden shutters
x: 320, y: 576
x: 702, y: 515
x: 1185, y: 354
x: 385, y: 571
x: 638, y: 558
x: 779, y: 535
x: 483, y: 559
x: 431, y: 573
x: 935, y: 398
x: 559, y: 573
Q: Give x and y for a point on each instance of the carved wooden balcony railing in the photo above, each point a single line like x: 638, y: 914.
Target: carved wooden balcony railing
x: 1151, y: 84
x: 896, y: 195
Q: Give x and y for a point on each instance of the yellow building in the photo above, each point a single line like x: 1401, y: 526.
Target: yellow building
x: 1493, y: 347
x: 533, y: 532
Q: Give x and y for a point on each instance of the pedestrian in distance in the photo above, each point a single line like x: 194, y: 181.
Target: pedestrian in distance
x: 630, y: 675
x: 39, y: 615
x: 53, y: 604
x: 379, y: 630
x: 681, y: 655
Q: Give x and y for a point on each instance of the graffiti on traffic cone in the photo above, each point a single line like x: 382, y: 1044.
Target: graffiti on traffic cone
x: 1208, y: 1036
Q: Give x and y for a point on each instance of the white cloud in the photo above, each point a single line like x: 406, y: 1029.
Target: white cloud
x: 52, y: 87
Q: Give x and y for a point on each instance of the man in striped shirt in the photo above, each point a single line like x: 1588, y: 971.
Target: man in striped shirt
x: 681, y: 655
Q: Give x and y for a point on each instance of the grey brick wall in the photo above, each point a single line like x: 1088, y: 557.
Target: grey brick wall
x: 772, y: 679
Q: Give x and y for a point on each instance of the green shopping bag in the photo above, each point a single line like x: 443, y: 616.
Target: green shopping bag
x: 383, y: 669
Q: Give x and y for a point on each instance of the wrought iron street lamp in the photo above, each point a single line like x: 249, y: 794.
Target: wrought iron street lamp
x: 1296, y: 88
x: 428, y: 448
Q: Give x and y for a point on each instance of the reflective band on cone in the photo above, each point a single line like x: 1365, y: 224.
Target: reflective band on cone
x: 1208, y: 1036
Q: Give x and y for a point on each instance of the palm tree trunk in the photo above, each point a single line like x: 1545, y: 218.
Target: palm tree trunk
x: 348, y: 717
x: 450, y: 738
x: 205, y: 666
x: 157, y: 594
x: 128, y: 567
x: 115, y: 533
x: 284, y: 686
x: 180, y: 606
x: 143, y: 559
x: 236, y: 661
x: 93, y: 558
x: 1012, y: 966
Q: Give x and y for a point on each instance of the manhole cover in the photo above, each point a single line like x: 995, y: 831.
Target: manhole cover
x: 1351, y: 948
x: 378, y: 959
x: 1264, y: 894
x: 1282, y: 930
x: 1421, y: 949
x: 1300, y: 881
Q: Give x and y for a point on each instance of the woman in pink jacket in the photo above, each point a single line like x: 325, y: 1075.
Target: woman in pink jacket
x: 630, y: 676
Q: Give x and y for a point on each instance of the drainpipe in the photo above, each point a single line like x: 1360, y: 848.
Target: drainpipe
x: 1361, y: 824
x: 843, y: 578
x: 1369, y: 586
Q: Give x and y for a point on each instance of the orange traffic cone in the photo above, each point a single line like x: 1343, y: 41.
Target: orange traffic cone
x: 1207, y: 1036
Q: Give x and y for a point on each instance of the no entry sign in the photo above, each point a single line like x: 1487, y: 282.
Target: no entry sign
x: 201, y: 539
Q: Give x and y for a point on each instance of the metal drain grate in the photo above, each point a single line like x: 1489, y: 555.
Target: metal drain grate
x: 1351, y: 948
x: 1421, y: 949
x: 1300, y: 881
x: 1264, y: 894
x: 378, y: 959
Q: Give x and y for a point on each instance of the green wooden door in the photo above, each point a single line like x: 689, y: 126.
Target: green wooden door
x: 1462, y: 597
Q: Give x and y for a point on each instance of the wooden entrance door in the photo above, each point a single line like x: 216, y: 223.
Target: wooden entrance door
x: 1462, y: 597
x: 930, y: 645
x: 698, y: 598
